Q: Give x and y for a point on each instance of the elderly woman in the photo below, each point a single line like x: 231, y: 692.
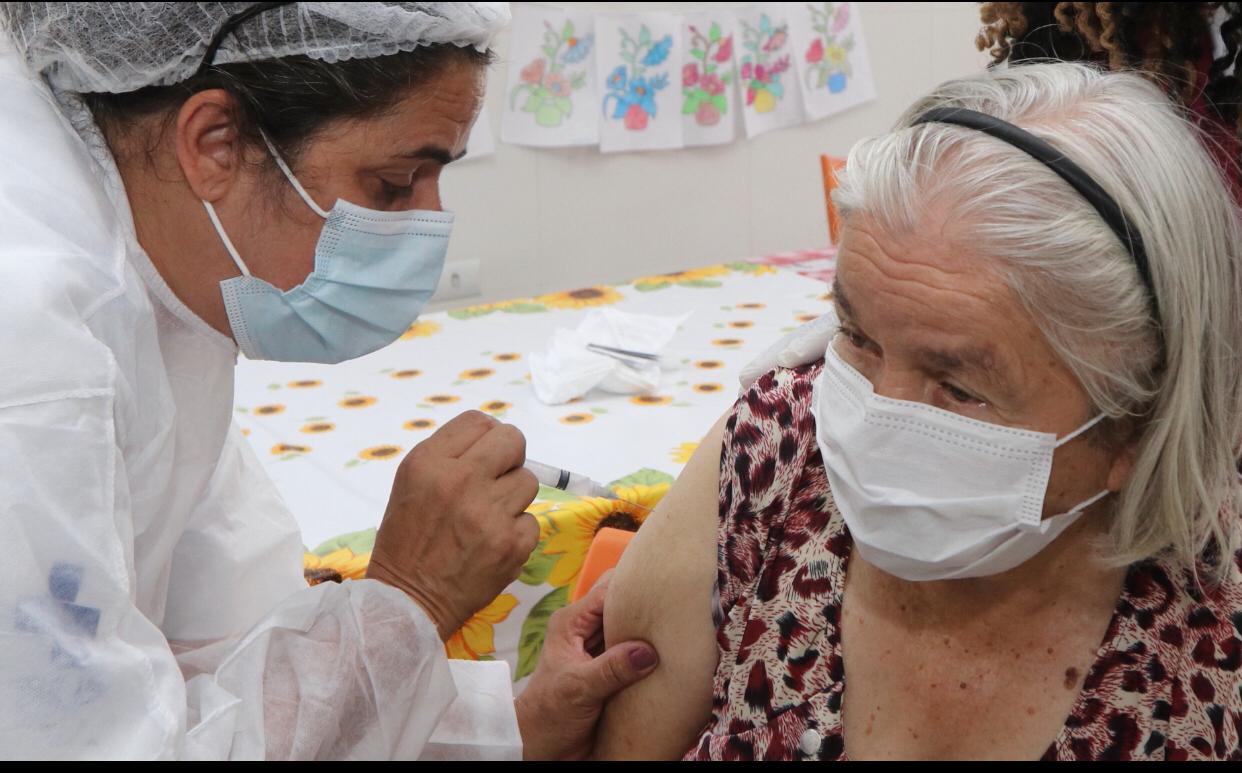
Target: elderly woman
x: 1003, y: 509
x: 178, y: 182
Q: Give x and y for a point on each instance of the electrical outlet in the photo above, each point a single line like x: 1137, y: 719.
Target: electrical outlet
x: 459, y: 280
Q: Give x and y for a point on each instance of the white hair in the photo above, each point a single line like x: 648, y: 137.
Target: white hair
x: 1182, y: 380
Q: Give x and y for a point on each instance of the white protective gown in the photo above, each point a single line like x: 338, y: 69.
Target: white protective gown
x: 151, y: 602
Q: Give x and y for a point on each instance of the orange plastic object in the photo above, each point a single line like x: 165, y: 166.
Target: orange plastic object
x: 604, y: 553
x: 828, y: 166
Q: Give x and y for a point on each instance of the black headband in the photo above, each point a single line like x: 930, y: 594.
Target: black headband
x: 1072, y: 173
x: 230, y: 24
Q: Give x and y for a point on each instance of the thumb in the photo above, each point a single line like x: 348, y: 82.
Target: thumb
x: 618, y: 668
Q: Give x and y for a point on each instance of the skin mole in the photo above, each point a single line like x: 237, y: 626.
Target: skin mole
x: 1071, y: 678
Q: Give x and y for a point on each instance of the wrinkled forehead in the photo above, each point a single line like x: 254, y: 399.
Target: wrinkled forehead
x: 923, y: 294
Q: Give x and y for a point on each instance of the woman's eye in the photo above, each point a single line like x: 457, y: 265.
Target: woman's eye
x: 960, y: 395
x: 856, y: 339
x: 392, y: 191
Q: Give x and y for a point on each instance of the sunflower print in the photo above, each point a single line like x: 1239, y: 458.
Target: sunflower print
x: 538, y: 508
x: 421, y: 330
x: 476, y: 638
x: 442, y: 399
x: 707, y: 389
x: 581, y: 298
x: 379, y: 453
x: 317, y: 427
x: 306, y: 384
x: 507, y: 357
x: 741, y: 324
x: 692, y: 275
x: 268, y: 410
x: 280, y: 449
x: 342, y: 563
x: 495, y: 406
x: 357, y: 402
x: 709, y: 364
x: 404, y: 374
x: 580, y: 520
x: 651, y: 400
x: 577, y: 418
x: 476, y: 374
x: 728, y: 342
x: 807, y: 317
x: 752, y: 306
x: 682, y: 453
x: 419, y: 425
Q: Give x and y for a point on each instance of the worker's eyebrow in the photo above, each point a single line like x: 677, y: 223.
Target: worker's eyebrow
x: 433, y: 153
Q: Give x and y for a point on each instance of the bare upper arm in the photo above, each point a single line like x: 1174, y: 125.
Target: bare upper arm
x: 661, y: 593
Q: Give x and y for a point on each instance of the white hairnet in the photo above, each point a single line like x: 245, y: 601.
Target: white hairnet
x: 119, y: 47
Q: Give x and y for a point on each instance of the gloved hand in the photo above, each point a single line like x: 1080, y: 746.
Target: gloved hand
x: 806, y: 344
x: 560, y: 708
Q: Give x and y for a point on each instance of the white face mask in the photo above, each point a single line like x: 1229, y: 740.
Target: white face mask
x: 931, y: 495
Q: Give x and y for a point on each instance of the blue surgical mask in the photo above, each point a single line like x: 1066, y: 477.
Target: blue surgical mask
x: 374, y: 272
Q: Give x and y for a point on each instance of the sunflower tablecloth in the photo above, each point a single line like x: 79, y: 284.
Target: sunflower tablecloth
x: 331, y: 436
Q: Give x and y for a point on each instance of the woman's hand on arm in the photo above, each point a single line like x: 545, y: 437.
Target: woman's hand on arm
x: 559, y: 711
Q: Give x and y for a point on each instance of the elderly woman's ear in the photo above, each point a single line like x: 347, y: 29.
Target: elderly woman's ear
x: 1123, y: 461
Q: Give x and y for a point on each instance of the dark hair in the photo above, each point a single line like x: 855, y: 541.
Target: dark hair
x: 293, y: 98
x: 1165, y: 39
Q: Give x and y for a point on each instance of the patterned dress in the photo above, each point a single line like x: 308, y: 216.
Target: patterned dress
x: 1165, y: 684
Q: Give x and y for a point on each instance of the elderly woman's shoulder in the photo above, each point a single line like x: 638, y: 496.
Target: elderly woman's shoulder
x: 782, y: 394
x: 1186, y: 629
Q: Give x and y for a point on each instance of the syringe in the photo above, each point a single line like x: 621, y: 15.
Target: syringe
x: 571, y: 482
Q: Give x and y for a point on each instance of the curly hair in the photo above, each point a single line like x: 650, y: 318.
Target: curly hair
x: 1166, y: 41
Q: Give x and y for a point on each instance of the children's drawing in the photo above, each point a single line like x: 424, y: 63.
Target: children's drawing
x: 771, y: 95
x: 551, y: 86
x: 639, y: 54
x: 765, y: 61
x: 833, y: 67
x: 828, y: 55
x: 705, y: 80
x: 548, y: 82
x: 631, y: 91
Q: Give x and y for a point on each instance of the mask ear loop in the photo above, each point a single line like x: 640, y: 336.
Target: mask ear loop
x: 224, y: 237
x: 297, y: 186
x: 215, y: 219
x: 1081, y: 430
x: 1084, y: 505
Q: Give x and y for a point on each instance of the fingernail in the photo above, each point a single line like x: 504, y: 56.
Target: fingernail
x: 642, y: 658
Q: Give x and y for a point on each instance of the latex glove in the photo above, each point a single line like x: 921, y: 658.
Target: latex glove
x: 559, y: 710
x: 804, y: 345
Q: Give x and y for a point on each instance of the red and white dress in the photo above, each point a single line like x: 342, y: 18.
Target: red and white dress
x: 1166, y: 682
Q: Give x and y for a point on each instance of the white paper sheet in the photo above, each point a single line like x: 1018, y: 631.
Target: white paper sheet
x: 767, y: 76
x: 551, y: 96
x: 831, y: 53
x: 709, y: 111
x: 639, y: 68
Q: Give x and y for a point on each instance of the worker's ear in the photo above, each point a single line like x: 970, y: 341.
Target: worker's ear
x: 209, y: 144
